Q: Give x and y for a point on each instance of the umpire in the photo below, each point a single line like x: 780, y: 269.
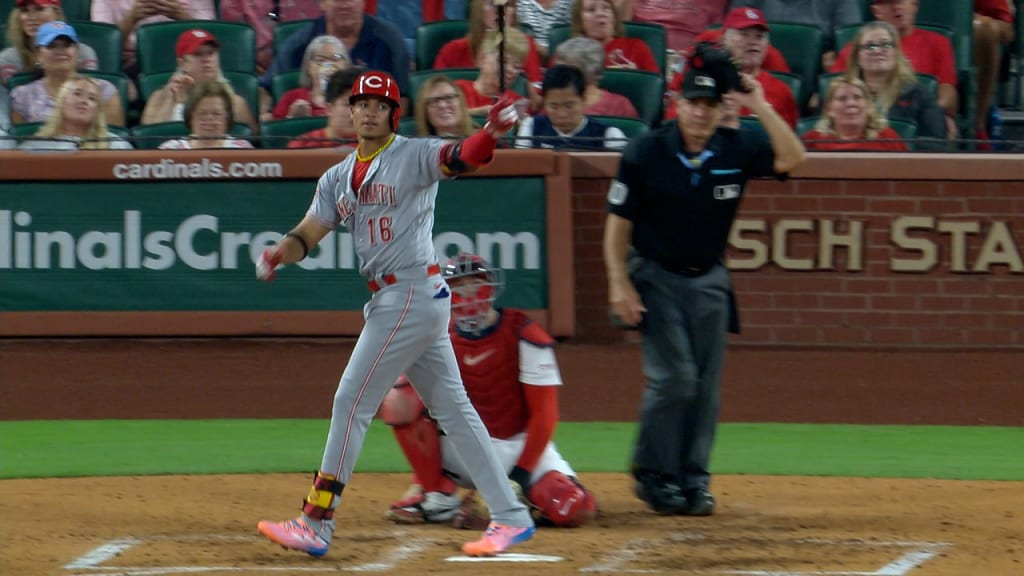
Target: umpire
x: 670, y: 209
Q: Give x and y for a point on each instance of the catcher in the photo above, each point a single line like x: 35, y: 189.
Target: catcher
x: 511, y: 376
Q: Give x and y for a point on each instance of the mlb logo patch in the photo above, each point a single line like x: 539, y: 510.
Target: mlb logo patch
x: 727, y: 192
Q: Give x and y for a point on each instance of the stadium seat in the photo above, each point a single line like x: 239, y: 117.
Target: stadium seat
x: 795, y: 84
x: 105, y: 39
x: 30, y: 128
x: 629, y: 126
x: 284, y: 82
x: 652, y: 34
x: 151, y: 136
x: 244, y: 84
x: 801, y: 45
x: 156, y: 45
x: 120, y: 81
x: 431, y: 36
x: 278, y: 133
x: 906, y: 130
x: 931, y: 83
x: 407, y: 127
x: 80, y: 10
x: 417, y: 78
x: 285, y: 29
x: 645, y: 91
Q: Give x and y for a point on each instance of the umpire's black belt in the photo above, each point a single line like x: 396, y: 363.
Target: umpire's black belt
x: 688, y: 271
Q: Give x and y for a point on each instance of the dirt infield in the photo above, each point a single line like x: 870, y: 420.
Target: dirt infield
x: 766, y: 525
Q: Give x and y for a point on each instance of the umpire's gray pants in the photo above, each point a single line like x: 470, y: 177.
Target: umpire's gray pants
x: 684, y: 339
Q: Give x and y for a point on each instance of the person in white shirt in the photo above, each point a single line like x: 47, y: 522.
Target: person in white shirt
x: 208, y: 115
x: 77, y: 122
x: 563, y: 125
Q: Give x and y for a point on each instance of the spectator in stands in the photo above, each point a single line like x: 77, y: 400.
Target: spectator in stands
x: 826, y: 15
x: 407, y: 15
x: 482, y: 93
x: 371, y: 43
x: 774, y: 61
x: 441, y: 109
x: 598, y: 19
x: 22, y: 24
x: 339, y: 114
x: 463, y: 52
x: 683, y: 19
x: 261, y: 16
x: 993, y: 30
x: 541, y: 16
x: 878, y: 60
x: 57, y: 54
x: 588, y: 55
x: 849, y: 121
x: 5, y: 109
x: 746, y: 38
x: 198, y: 54
x: 208, y: 114
x: 128, y: 15
x: 563, y: 125
x: 928, y: 52
x: 324, y: 55
x: 77, y: 121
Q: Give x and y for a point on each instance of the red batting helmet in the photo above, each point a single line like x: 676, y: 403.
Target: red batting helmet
x: 382, y: 85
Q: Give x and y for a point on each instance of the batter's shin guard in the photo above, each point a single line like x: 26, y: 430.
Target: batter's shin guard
x: 323, y: 497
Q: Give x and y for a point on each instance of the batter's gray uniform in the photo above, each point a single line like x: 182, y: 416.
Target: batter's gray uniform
x: 391, y: 218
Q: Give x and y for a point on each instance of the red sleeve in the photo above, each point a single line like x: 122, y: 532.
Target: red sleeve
x: 895, y: 144
x: 542, y: 403
x: 532, y: 65
x: 644, y: 58
x: 454, y: 54
x: 775, y: 61
x: 840, y: 64
x: 281, y: 108
x: 945, y: 63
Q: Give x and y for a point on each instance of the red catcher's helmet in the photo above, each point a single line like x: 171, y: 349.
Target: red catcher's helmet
x: 382, y: 85
x: 472, y: 300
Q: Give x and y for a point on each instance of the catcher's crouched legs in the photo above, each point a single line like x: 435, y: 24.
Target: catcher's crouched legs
x: 555, y: 500
x: 432, y: 497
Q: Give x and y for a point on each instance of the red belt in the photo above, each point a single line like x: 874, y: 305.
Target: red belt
x: 389, y: 279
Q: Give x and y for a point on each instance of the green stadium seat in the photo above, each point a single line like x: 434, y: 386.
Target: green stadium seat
x: 120, y: 81
x: 105, y: 39
x: 801, y: 45
x: 285, y: 29
x: 244, y: 84
x: 80, y: 10
x: 284, y: 82
x: 652, y: 34
x: 795, y: 84
x: 630, y: 126
x: 645, y: 91
x: 278, y: 133
x: 431, y: 36
x: 407, y: 127
x: 906, y: 130
x: 156, y: 45
x: 931, y: 83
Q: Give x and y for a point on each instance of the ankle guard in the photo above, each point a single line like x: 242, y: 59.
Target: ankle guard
x: 323, y: 497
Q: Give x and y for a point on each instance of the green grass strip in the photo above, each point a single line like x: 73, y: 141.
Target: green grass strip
x: 31, y: 449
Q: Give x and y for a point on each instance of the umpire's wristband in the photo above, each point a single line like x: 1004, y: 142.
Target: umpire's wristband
x: 520, y: 476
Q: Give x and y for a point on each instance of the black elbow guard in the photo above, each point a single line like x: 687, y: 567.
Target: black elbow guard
x: 451, y: 160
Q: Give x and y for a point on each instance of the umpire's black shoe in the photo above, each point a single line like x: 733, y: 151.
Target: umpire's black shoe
x: 662, y: 495
x: 699, y: 502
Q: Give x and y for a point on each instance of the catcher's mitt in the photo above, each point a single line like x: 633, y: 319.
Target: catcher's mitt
x: 473, y: 513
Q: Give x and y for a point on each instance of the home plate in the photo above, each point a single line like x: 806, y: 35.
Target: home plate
x: 512, y: 557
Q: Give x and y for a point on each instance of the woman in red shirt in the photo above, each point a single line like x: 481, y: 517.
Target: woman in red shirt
x: 482, y: 93
x: 599, y: 19
x: 850, y: 122
x: 324, y: 56
x: 483, y: 18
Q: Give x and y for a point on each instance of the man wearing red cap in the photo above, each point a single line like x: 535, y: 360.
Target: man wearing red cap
x: 128, y: 15
x: 746, y: 38
x: 928, y: 52
x: 198, y: 62
x: 825, y: 15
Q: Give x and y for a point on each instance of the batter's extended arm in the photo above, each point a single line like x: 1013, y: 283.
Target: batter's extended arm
x: 294, y: 246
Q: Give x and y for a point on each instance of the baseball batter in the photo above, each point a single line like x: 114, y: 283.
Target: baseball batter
x: 510, y: 372
x: 384, y: 194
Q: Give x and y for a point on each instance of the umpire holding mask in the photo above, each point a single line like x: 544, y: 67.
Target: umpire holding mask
x: 670, y: 209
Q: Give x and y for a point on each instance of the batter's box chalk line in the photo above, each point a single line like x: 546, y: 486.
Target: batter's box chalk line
x: 507, y: 557
x: 915, y: 554
x: 91, y: 563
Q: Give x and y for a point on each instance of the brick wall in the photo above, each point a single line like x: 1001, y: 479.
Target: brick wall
x: 855, y: 259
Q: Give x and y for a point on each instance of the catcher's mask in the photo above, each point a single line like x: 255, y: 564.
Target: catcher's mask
x: 475, y: 286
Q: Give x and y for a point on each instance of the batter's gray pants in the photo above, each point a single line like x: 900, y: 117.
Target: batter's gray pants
x: 684, y: 338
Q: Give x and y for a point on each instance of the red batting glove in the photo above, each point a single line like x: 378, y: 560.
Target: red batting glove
x: 503, y: 116
x: 266, y: 265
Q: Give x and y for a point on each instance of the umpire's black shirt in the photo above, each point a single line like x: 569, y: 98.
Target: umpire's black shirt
x: 682, y: 210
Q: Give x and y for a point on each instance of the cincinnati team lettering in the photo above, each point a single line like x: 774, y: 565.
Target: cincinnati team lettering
x: 376, y: 194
